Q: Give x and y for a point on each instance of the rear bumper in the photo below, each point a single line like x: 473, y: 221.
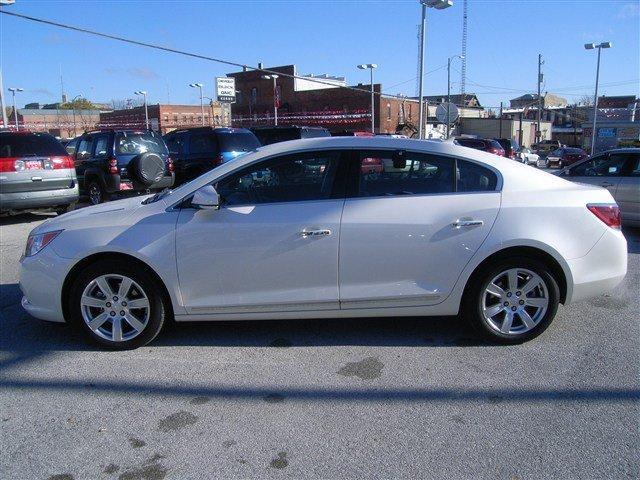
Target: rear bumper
x: 38, y: 199
x: 600, y: 270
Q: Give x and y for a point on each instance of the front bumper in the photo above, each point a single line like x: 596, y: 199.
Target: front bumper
x: 38, y: 199
x: 41, y: 279
x: 600, y: 270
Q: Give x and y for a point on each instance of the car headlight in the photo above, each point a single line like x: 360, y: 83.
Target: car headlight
x: 38, y: 241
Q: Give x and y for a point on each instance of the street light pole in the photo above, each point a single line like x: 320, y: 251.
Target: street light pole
x: 449, y: 90
x: 146, y: 111
x: 275, y: 96
x: 591, y: 46
x: 200, y: 85
x: 440, y: 5
x: 371, y: 66
x: 13, y: 91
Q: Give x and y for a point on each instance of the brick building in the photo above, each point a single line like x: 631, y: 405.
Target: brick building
x: 305, y: 102
x: 165, y: 118
x: 63, y: 123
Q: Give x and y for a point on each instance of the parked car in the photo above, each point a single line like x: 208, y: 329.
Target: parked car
x: 510, y: 147
x: 565, y: 156
x: 35, y: 174
x: 112, y: 163
x: 197, y: 150
x: 485, y: 144
x: 269, y: 135
x: 619, y: 172
x: 464, y: 231
x: 544, y: 147
x: 527, y: 157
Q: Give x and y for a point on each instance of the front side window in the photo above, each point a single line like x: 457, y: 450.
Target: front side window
x: 395, y: 173
x: 292, y: 178
x: 604, y: 166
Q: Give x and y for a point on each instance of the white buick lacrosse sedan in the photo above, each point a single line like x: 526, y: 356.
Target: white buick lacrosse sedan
x: 332, y: 227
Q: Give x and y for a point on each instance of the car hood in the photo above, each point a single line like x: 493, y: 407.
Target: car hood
x: 114, y: 213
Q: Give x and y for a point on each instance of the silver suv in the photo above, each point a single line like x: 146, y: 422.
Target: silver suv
x: 36, y: 173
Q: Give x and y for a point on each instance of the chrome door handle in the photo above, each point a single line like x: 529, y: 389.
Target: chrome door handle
x: 467, y: 223
x: 315, y: 233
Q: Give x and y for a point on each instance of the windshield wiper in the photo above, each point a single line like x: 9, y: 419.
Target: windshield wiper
x: 161, y: 194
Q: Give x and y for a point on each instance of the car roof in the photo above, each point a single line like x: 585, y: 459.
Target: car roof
x: 622, y: 150
x: 210, y: 129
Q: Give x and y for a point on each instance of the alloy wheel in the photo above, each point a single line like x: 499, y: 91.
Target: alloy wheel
x: 115, y: 307
x: 515, y: 301
x: 95, y: 195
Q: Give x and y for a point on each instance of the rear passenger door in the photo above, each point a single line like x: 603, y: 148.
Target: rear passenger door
x: 409, y: 228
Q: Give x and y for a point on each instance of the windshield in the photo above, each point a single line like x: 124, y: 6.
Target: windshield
x: 30, y: 145
x: 136, y: 143
x: 237, y: 141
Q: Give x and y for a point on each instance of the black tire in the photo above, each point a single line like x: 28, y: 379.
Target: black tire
x: 96, y: 193
x: 157, y: 307
x: 65, y: 209
x: 472, y: 304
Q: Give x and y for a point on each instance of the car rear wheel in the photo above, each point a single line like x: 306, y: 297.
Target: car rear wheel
x: 65, y: 209
x: 513, y: 301
x: 96, y: 193
x: 116, y: 305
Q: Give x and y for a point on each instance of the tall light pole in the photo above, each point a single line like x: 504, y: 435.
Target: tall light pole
x: 146, y: 111
x: 591, y: 46
x: 275, y: 96
x: 200, y: 85
x: 371, y: 66
x: 461, y: 57
x: 73, y: 110
x: 440, y: 5
x: 13, y: 91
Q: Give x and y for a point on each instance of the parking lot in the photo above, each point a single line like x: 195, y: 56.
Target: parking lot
x: 366, y: 398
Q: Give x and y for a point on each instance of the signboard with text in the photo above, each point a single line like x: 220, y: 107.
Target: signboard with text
x: 226, y: 89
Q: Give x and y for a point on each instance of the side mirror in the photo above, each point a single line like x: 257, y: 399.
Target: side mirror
x: 206, y: 198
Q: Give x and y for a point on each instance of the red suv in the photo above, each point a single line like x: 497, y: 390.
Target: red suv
x: 484, y: 144
x: 561, y: 157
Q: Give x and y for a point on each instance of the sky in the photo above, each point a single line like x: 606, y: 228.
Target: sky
x: 504, y: 40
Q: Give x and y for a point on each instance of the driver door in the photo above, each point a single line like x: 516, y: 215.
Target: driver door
x: 273, y: 244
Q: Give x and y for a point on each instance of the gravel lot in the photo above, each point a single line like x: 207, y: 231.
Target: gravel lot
x: 379, y: 398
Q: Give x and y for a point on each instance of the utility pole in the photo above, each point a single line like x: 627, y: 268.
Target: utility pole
x: 539, y: 113
x: 500, y: 119
x: 5, y: 120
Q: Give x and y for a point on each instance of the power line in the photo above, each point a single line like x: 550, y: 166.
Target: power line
x: 188, y: 54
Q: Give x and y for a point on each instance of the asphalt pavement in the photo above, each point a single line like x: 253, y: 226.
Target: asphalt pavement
x: 325, y: 399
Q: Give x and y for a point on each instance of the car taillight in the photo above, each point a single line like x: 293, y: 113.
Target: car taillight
x: 496, y: 151
x: 62, y: 162
x: 608, y: 213
x: 170, y: 166
x: 512, y: 155
x: 113, y: 165
x: 217, y: 160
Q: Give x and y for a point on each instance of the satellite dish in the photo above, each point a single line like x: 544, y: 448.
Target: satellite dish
x: 441, y: 112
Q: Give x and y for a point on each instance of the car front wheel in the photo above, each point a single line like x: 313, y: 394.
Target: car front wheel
x: 513, y: 301
x: 117, y: 305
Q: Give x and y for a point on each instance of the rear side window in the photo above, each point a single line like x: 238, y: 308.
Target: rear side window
x: 237, y: 141
x: 472, y: 177
x: 30, y: 145
x: 390, y: 173
x: 137, y: 143
x: 604, y: 166
x: 202, y: 143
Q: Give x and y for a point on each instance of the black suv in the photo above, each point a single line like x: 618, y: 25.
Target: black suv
x: 120, y: 162
x: 197, y: 150
x: 269, y: 135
